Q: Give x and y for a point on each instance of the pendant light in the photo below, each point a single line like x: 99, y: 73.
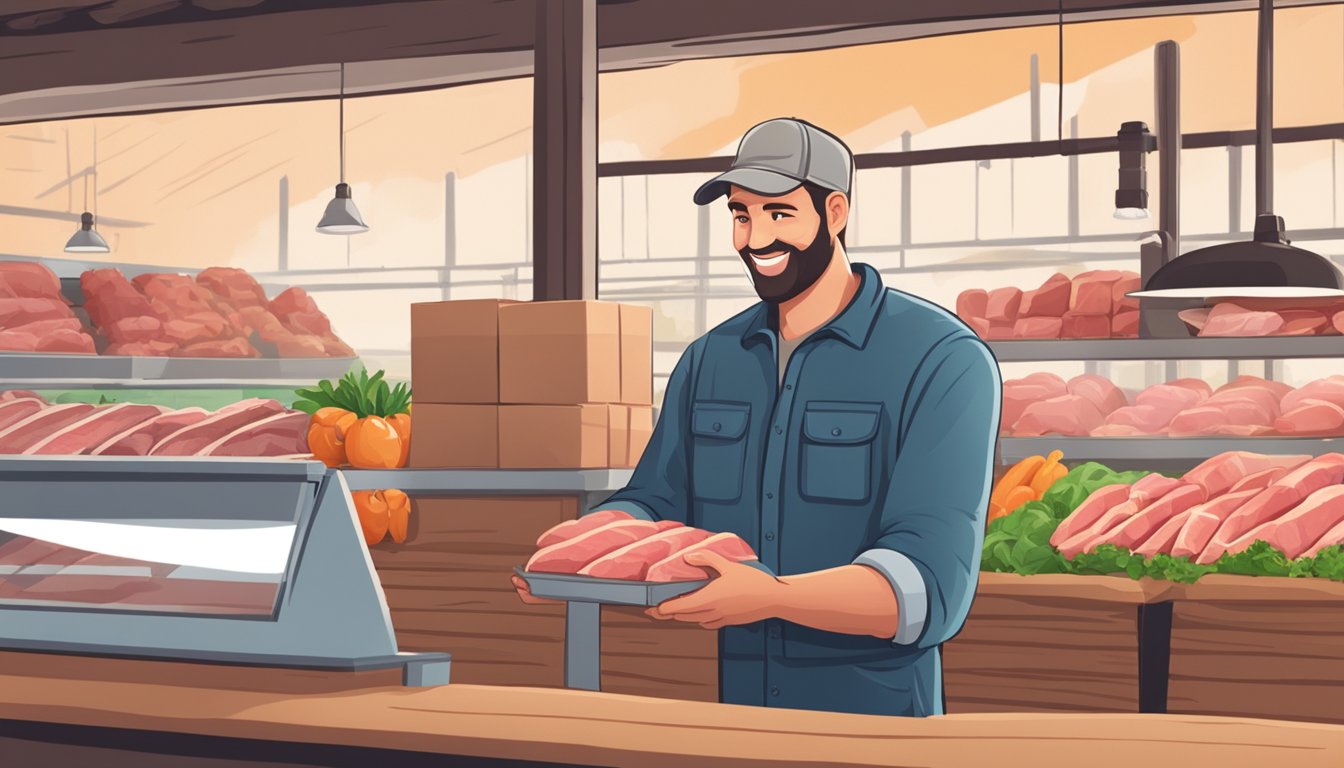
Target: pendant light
x: 1265, y: 266
x: 86, y: 239
x: 1131, y: 196
x: 341, y: 216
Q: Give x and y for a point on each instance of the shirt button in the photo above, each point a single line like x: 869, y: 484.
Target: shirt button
x: 788, y: 386
x: 717, y: 427
x: 774, y: 691
x: 769, y: 535
x: 769, y: 495
x: 779, y: 430
x: 836, y: 431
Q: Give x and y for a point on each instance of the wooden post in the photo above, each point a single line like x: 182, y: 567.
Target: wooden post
x: 564, y: 142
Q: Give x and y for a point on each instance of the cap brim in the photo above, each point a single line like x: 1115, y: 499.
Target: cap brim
x: 757, y: 180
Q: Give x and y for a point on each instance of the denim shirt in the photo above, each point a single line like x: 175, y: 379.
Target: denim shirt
x: 876, y: 449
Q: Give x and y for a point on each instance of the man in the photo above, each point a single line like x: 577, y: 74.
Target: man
x: 845, y: 431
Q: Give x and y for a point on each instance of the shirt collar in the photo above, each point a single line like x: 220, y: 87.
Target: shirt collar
x: 852, y: 326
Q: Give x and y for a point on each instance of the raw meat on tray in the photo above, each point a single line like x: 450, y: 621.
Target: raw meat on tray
x: 34, y: 316
x: 610, y: 544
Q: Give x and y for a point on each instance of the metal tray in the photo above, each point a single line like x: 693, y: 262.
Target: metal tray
x: 586, y: 589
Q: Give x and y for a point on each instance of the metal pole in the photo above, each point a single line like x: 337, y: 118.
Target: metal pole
x: 701, y: 270
x: 1234, y: 158
x: 1035, y: 97
x: 1073, y: 181
x: 1264, y: 111
x: 449, y: 231
x: 1168, y: 90
x: 284, y: 224
x: 905, y: 199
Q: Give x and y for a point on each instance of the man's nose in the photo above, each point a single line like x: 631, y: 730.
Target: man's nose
x: 762, y: 236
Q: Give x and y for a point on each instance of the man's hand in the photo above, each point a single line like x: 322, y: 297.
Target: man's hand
x: 739, y: 594
x: 526, y: 595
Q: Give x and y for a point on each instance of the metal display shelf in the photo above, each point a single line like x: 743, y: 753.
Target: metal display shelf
x: 1249, y: 348
x: 53, y: 370
x: 1154, y: 451
x: 525, y: 481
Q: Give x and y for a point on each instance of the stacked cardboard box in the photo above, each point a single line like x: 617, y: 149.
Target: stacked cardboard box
x: 531, y: 385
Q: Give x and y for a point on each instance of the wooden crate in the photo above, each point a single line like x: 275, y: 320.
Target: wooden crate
x: 1249, y: 646
x: 1050, y: 643
x: 448, y: 589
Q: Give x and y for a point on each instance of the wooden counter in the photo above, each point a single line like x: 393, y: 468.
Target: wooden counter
x: 552, y: 725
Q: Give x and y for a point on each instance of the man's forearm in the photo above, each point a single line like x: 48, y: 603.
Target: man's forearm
x: 851, y: 599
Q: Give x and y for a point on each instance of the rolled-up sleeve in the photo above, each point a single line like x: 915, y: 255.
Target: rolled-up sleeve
x: 658, y: 488
x: 933, y: 514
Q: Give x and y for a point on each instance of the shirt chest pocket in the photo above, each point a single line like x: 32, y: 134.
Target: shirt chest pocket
x: 837, y: 450
x: 718, y: 449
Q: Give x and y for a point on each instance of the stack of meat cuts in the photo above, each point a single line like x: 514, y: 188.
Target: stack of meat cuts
x: 30, y: 425
x: 34, y: 316
x: 609, y: 544
x: 1044, y: 404
x: 1295, y: 503
x: 1092, y: 305
x: 1229, y: 318
x: 223, y: 312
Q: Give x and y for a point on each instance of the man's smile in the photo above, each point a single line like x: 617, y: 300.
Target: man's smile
x: 771, y: 265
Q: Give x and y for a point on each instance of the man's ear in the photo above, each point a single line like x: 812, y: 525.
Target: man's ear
x: 837, y: 212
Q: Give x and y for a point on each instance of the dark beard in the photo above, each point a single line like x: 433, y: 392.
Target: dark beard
x: 803, y: 268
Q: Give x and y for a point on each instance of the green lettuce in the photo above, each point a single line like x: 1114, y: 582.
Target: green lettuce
x: 1329, y: 563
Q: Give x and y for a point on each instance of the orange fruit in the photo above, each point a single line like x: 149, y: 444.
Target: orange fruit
x: 372, y: 443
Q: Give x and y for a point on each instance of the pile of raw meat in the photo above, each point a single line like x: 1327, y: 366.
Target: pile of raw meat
x: 34, y: 316
x: 1045, y: 404
x: 1295, y: 503
x: 1231, y: 319
x: 41, y: 570
x: 30, y: 425
x: 1092, y: 305
x: 610, y: 544
x: 223, y: 312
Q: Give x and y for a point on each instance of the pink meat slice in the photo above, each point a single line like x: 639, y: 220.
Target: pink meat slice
x: 1148, y: 489
x: 1093, y: 292
x: 1125, y: 285
x: 90, y: 432
x: 190, y: 440
x: 1330, y: 538
x: 1302, y: 322
x: 283, y: 434
x: 1087, y: 513
x: 14, y: 411
x: 21, y: 394
x: 141, y: 438
x: 573, y: 528
x: 1002, y: 304
x: 19, y: 436
x: 1164, y: 538
x: 1258, y: 480
x: 1080, y: 326
x: 1228, y: 319
x: 1293, y: 532
x: 1198, y: 386
x: 1284, y: 494
x: 1038, y: 328
x: 1265, y: 401
x: 1064, y: 415
x: 1050, y: 300
x: 1169, y: 397
x: 15, y: 312
x: 1312, y: 417
x: 571, y: 555
x: 1276, y: 388
x: 1329, y: 389
x: 633, y: 560
x: 1202, y: 522
x: 1099, y: 390
x: 1146, y: 521
x: 1220, y: 473
x: 675, y: 568
x: 1118, y: 430
x: 1196, y: 318
x: 28, y: 279
x: 1125, y: 325
x: 1139, y: 419
x: 1018, y: 394
x: 979, y: 325
x: 972, y: 303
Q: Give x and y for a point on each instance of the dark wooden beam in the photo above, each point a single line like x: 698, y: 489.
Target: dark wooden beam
x: 564, y: 150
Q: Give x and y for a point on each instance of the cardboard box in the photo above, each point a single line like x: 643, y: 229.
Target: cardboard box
x: 553, y: 436
x: 636, y: 355
x: 559, y: 352
x: 455, y: 436
x: 618, y: 435
x: 455, y: 351
x: 641, y: 429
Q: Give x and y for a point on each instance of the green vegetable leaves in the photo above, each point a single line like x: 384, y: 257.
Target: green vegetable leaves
x: 1259, y: 559
x: 361, y: 394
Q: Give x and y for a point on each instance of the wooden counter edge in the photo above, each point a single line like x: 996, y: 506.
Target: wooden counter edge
x: 1111, y: 589
x: 609, y: 729
x: 1221, y: 587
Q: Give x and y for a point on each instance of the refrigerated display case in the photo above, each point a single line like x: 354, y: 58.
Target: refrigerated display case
x: 241, y: 561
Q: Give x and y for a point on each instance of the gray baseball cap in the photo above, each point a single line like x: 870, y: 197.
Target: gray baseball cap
x: 777, y: 156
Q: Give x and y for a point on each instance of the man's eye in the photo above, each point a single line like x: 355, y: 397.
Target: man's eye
x: 777, y: 215
x: 742, y: 219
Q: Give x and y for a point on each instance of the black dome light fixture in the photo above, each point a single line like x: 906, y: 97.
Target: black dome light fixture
x: 1266, y: 266
x: 86, y: 239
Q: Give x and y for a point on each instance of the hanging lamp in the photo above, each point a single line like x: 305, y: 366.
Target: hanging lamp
x: 341, y: 216
x: 86, y: 239
x: 1265, y: 266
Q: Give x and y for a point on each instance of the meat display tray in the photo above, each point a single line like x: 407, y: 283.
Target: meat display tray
x: 586, y: 589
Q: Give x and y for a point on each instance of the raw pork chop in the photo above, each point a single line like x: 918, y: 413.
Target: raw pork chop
x: 1146, y: 521
x: 1228, y: 319
x: 90, y: 432
x: 1297, y: 529
x: 284, y: 434
x: 633, y: 560
x: 571, y: 555
x: 675, y: 568
x: 190, y: 440
x: 1087, y: 513
x: 1064, y: 415
x: 1311, y: 417
x: 17, y: 437
x: 572, y: 528
x: 140, y: 439
x: 1202, y: 522
x: 1103, y: 394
